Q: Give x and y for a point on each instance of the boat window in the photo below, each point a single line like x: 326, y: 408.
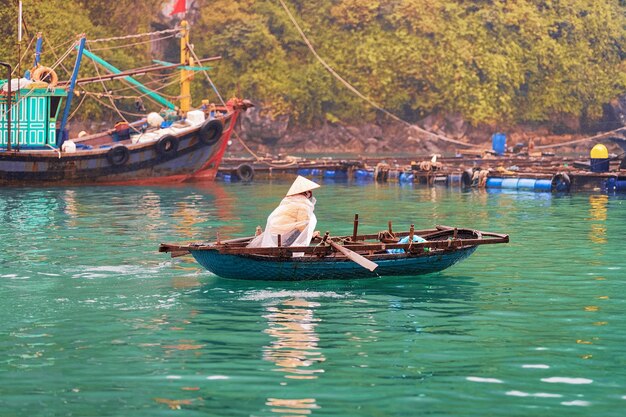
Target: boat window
x: 54, y: 106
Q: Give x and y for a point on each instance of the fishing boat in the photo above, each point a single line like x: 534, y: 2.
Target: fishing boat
x: 412, y: 253
x: 181, y: 143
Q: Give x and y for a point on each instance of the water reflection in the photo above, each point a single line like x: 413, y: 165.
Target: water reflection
x: 292, y: 408
x: 223, y: 205
x: 27, y: 210
x: 597, y: 214
x: 294, y: 349
x: 295, y: 346
x: 71, y: 208
x: 149, y: 205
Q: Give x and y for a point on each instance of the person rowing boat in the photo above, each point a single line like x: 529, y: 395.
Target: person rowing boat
x: 293, y: 219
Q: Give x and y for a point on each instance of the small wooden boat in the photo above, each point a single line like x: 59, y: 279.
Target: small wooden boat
x: 344, y: 257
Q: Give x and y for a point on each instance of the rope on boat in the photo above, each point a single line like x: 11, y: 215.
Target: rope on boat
x: 173, y: 80
x: 260, y: 159
x: 55, y: 54
x: 137, y: 35
x: 23, y: 56
x: 128, y: 45
x: 67, y: 53
x: 110, y: 99
x: 115, y: 92
x: 571, y: 142
x: 193, y: 53
x: 77, y: 107
x: 93, y: 95
x: 359, y: 94
x: 98, y: 96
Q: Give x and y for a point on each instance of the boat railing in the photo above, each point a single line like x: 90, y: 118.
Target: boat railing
x: 439, y: 239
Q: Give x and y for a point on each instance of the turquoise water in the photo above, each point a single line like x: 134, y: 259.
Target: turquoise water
x: 96, y: 322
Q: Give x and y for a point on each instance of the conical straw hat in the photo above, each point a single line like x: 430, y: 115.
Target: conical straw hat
x: 301, y: 185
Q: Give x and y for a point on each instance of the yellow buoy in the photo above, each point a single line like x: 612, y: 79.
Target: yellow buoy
x: 599, y: 152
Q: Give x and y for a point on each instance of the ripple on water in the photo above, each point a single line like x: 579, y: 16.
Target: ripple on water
x: 578, y: 403
x: 565, y: 380
x: 261, y: 295
x: 485, y: 380
x: 537, y: 394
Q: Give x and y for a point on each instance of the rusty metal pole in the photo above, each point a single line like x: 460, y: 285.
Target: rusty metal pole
x: 355, y: 228
x: 9, y: 70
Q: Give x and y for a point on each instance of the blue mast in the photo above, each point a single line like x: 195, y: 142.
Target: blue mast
x: 70, y: 91
x: 38, y: 49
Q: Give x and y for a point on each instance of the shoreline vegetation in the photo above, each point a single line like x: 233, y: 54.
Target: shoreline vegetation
x: 549, y: 71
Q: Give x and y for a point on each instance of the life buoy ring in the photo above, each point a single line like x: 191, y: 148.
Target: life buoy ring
x: 118, y: 155
x: 45, y: 74
x: 210, y: 132
x: 167, y: 145
x: 561, y: 182
x: 244, y: 172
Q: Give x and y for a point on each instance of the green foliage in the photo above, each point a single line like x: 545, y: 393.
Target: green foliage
x: 489, y: 61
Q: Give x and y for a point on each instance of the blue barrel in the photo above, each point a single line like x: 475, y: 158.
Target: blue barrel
x: 454, y: 179
x: 405, y: 177
x: 509, y: 183
x: 304, y: 172
x: 494, y: 182
x: 526, y: 184
x: 611, y: 184
x: 341, y: 173
x: 363, y: 174
x: 316, y: 172
x: 620, y: 185
x: 498, y: 141
x: 543, y: 185
x: 599, y: 164
x: 330, y: 173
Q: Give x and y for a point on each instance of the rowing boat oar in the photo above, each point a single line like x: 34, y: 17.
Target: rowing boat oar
x: 353, y: 256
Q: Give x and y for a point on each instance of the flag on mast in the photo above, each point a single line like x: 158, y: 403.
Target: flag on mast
x: 180, y: 6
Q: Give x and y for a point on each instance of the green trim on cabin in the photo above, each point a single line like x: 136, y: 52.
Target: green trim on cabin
x: 33, y: 119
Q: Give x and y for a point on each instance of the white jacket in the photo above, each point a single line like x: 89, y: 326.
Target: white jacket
x: 293, y: 216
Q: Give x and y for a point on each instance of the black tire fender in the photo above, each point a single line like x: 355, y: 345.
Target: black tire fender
x: 466, y: 177
x: 167, y: 145
x: 118, y: 155
x: 210, y: 132
x: 561, y: 182
x: 245, y: 172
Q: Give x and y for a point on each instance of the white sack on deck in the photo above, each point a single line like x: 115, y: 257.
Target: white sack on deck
x: 16, y: 84
x: 294, y: 215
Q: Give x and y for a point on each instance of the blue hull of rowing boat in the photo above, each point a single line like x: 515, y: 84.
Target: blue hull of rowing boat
x: 260, y: 268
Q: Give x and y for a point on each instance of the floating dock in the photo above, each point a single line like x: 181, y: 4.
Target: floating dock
x: 547, y: 173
